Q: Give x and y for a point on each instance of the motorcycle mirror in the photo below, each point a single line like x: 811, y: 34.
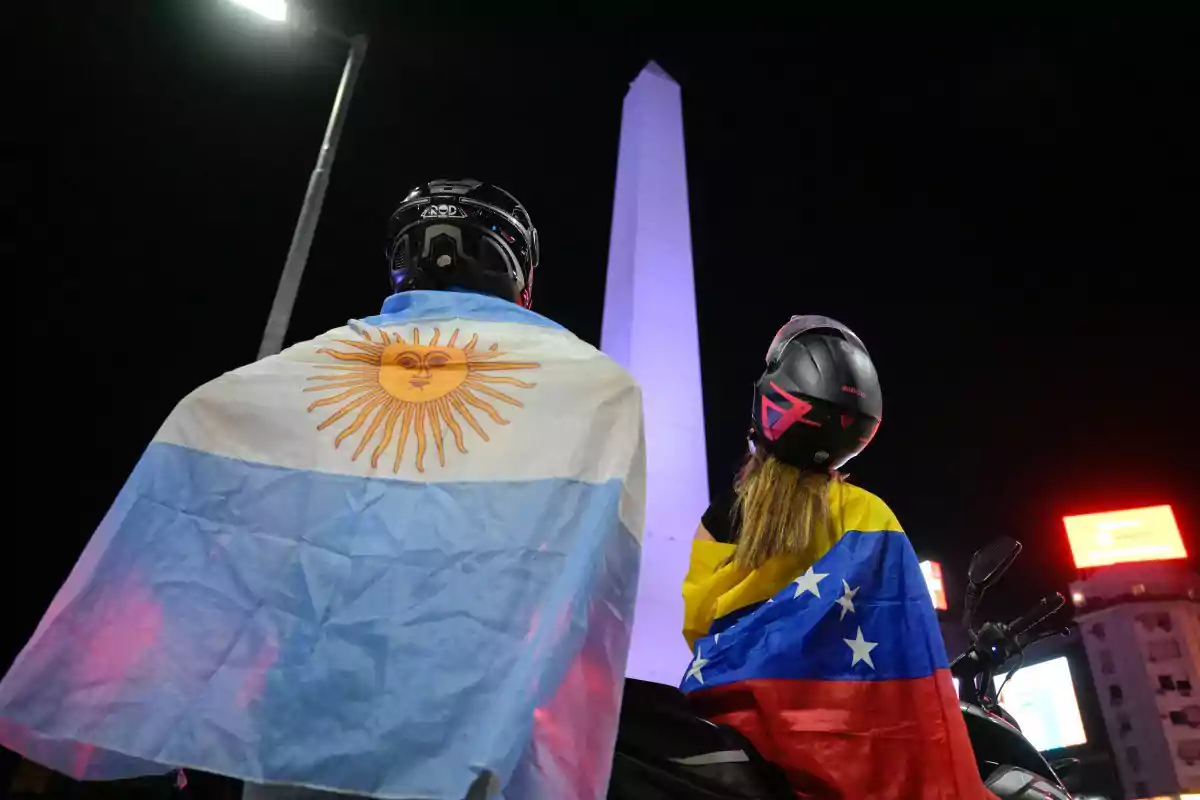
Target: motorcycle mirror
x: 991, y: 562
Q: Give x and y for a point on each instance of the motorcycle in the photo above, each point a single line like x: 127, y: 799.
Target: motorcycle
x: 1009, y: 764
x: 665, y: 751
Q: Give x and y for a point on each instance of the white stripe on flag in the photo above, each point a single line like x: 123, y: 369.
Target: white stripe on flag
x: 543, y: 405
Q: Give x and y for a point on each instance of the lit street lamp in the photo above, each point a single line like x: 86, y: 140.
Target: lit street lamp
x: 310, y: 211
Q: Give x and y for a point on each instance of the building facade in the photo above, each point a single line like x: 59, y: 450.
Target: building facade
x: 1140, y: 625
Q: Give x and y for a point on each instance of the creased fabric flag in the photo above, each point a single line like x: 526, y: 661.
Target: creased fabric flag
x: 398, y: 560
x: 831, y: 661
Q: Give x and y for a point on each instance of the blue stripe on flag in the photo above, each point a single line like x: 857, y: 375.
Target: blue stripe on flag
x: 373, y: 636
x: 429, y: 305
x: 734, y: 617
x: 804, y: 636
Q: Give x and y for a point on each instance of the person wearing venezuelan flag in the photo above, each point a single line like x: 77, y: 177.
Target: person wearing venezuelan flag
x: 397, y: 560
x: 811, y: 626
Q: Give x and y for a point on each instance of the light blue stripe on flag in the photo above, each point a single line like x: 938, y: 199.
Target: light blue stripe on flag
x: 373, y: 636
x: 428, y: 305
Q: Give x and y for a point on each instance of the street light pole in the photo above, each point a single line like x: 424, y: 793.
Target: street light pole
x: 310, y: 211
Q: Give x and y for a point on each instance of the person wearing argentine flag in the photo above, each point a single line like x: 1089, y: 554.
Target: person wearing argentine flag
x: 397, y: 560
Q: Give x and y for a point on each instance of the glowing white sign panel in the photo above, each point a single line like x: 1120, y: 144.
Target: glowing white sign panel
x: 1041, y: 698
x: 274, y: 10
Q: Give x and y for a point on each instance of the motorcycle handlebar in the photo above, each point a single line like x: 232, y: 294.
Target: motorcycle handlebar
x: 1024, y: 640
x: 1045, y: 607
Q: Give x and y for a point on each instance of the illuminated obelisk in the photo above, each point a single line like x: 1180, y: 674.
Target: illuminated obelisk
x: 650, y: 329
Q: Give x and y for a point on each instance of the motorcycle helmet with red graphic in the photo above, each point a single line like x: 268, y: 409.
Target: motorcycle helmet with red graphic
x: 463, y: 234
x: 818, y: 403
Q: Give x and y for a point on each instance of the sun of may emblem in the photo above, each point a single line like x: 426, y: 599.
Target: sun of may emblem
x: 400, y: 388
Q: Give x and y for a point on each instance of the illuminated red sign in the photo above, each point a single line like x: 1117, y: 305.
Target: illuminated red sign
x: 932, y: 571
x: 1120, y: 537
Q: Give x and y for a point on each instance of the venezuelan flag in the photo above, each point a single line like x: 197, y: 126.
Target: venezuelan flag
x: 399, y: 560
x: 831, y: 661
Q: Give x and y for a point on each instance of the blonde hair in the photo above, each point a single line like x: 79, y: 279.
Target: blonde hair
x: 780, y: 506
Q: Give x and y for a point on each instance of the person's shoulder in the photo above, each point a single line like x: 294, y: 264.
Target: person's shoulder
x: 600, y: 365
x: 863, y: 511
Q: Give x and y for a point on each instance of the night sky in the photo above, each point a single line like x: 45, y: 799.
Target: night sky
x: 1006, y: 214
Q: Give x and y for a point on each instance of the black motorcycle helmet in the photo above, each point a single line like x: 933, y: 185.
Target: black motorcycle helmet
x: 463, y: 233
x: 818, y: 404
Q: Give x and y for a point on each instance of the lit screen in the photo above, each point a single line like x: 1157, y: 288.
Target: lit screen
x: 932, y: 571
x: 1119, y: 537
x: 1041, y: 698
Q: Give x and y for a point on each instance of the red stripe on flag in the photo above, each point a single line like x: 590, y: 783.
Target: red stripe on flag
x: 884, y: 740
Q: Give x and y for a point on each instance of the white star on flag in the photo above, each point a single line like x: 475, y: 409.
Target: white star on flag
x: 694, y: 669
x: 808, y: 583
x: 846, y: 601
x: 862, y: 649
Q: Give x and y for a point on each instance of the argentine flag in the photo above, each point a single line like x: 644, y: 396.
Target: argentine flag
x: 399, y: 560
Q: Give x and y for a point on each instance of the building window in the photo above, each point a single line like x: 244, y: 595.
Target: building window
x: 1124, y: 726
x: 1134, y: 758
x: 1184, y: 687
x: 1188, y: 716
x: 1165, y: 683
x: 1155, y: 620
x: 1139, y: 589
x: 1164, y: 650
x: 1189, y: 751
x: 1106, y: 662
x: 1098, y: 630
x: 1115, y: 695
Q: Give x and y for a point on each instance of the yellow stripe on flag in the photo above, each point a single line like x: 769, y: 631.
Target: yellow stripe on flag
x: 714, y: 587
